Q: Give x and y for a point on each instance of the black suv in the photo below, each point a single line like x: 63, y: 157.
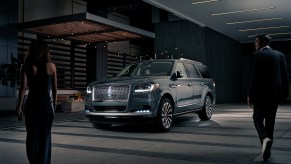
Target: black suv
x: 152, y: 89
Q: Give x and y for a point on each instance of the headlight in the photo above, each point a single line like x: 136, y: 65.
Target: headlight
x: 90, y: 93
x: 146, y: 88
x: 89, y: 90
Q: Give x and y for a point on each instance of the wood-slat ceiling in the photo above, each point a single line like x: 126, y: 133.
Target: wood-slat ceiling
x: 76, y: 29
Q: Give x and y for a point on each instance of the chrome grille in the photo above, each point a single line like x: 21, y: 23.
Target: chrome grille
x: 111, y: 92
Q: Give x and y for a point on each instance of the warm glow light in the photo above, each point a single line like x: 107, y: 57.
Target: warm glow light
x: 242, y: 11
x: 263, y: 28
x: 196, y: 3
x: 256, y: 20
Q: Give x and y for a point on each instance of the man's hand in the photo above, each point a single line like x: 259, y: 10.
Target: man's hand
x: 250, y: 103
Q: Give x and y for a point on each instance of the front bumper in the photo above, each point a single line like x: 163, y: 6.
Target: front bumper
x: 116, y: 117
x: 117, y: 114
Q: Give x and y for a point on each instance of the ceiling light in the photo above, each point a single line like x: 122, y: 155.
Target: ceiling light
x: 242, y: 11
x: 280, y: 33
x: 196, y: 3
x: 256, y: 20
x: 263, y: 28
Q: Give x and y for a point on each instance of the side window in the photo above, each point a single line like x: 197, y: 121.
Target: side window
x: 180, y: 67
x: 203, y: 71
x: 192, y: 71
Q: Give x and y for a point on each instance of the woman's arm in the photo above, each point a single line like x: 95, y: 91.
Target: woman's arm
x: 21, y: 93
x: 54, y: 85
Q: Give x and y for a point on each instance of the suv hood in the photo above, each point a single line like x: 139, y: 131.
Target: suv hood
x: 129, y: 80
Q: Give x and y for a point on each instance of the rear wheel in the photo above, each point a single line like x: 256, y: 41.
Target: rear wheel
x: 206, y: 112
x: 101, y: 125
x: 164, y: 118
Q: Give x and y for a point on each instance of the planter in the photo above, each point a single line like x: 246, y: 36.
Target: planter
x: 72, y: 106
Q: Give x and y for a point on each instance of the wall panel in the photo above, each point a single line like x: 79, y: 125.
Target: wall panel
x: 183, y: 39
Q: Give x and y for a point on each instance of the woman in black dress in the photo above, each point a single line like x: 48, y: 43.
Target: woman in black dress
x: 39, y: 75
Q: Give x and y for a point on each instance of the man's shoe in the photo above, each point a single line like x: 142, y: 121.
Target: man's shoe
x: 266, y: 148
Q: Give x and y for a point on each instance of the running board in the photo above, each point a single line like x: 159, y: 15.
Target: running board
x: 180, y: 113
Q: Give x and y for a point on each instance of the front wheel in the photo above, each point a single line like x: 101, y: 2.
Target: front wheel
x: 164, y: 118
x: 206, y: 112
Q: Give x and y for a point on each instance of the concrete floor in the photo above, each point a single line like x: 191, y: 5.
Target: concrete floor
x: 230, y: 137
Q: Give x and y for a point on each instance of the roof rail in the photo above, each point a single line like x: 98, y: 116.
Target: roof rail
x: 184, y: 59
x: 192, y: 60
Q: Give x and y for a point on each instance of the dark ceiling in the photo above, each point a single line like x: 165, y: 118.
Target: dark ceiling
x: 238, y: 19
x: 139, y: 12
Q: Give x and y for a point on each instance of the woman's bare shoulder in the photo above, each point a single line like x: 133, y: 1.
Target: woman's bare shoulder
x: 52, y: 65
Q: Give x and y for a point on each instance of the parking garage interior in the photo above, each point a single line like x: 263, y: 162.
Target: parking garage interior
x: 93, y: 40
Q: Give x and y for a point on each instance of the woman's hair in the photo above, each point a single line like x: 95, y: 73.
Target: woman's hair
x: 38, y: 53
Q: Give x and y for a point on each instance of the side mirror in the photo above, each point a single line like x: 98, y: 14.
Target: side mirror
x: 178, y: 74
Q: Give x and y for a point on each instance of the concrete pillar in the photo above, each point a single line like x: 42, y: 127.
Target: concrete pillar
x: 101, y: 61
x: 96, y: 62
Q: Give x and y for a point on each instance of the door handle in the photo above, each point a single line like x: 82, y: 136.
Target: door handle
x: 189, y: 85
x: 174, y: 85
x: 202, y: 84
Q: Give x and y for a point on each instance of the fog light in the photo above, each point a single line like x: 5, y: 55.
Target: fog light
x: 142, y: 111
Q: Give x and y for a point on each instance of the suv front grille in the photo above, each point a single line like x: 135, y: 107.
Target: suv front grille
x: 111, y: 93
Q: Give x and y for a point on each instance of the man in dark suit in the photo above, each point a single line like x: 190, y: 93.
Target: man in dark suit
x: 268, y: 87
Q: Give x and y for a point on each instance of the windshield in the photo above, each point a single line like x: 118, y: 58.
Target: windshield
x: 150, y: 68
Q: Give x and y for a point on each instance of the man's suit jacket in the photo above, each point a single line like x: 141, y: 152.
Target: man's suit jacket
x: 268, y: 77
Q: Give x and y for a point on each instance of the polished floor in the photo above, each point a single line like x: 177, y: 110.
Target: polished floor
x: 230, y: 137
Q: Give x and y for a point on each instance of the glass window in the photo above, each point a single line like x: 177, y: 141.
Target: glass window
x: 180, y: 67
x: 150, y: 68
x: 192, y: 71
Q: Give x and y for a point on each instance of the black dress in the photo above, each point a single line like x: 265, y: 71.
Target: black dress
x: 39, y: 115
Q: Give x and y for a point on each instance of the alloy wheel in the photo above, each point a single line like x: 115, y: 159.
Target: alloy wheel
x: 208, y: 106
x: 167, y: 115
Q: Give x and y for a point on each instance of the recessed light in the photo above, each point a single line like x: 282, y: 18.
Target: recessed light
x: 263, y: 28
x: 279, y: 33
x: 243, y: 11
x: 201, y: 2
x: 255, y: 20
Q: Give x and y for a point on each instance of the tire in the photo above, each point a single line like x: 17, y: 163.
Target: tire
x: 206, y: 112
x: 101, y: 126
x: 164, y: 118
